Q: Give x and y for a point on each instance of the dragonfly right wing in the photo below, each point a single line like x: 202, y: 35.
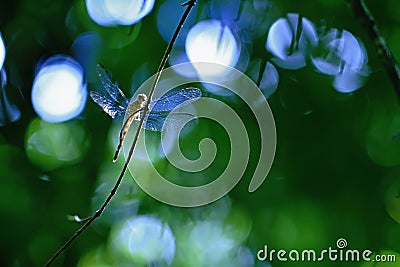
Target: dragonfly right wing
x: 161, y: 112
x: 155, y: 121
x: 175, y: 99
x: 112, y: 108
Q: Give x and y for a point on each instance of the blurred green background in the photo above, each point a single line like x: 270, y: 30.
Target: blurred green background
x: 335, y: 175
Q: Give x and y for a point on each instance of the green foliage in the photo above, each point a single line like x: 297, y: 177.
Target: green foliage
x: 336, y: 171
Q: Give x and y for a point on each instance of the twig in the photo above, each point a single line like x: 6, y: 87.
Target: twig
x: 98, y: 213
x: 385, y: 55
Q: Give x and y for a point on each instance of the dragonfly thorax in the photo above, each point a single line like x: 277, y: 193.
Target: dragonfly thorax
x: 136, y: 105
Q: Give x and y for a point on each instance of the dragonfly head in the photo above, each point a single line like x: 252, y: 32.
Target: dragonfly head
x: 141, y: 98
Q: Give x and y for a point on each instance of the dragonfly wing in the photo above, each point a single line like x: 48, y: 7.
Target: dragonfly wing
x: 109, y: 106
x: 175, y: 99
x: 111, y: 86
x: 155, y: 121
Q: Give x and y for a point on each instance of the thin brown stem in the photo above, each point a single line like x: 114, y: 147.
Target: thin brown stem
x: 189, y: 5
x: 386, y: 57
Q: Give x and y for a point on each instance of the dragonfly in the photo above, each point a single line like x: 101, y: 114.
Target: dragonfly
x: 160, y: 115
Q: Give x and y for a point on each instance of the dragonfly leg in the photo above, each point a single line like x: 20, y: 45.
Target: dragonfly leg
x: 124, y: 131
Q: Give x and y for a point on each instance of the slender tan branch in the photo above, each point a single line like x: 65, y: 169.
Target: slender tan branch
x: 385, y: 55
x: 189, y: 5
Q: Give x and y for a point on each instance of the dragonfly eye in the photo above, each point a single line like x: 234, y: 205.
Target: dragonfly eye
x: 141, y: 98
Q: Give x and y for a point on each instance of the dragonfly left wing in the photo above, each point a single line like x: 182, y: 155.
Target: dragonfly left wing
x: 109, y: 106
x: 111, y: 87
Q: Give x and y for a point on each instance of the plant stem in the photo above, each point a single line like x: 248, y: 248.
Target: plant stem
x: 386, y: 57
x: 98, y: 213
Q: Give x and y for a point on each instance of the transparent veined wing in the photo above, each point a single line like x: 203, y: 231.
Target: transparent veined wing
x: 109, y: 106
x: 111, y: 86
x: 175, y: 99
x: 155, y: 121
